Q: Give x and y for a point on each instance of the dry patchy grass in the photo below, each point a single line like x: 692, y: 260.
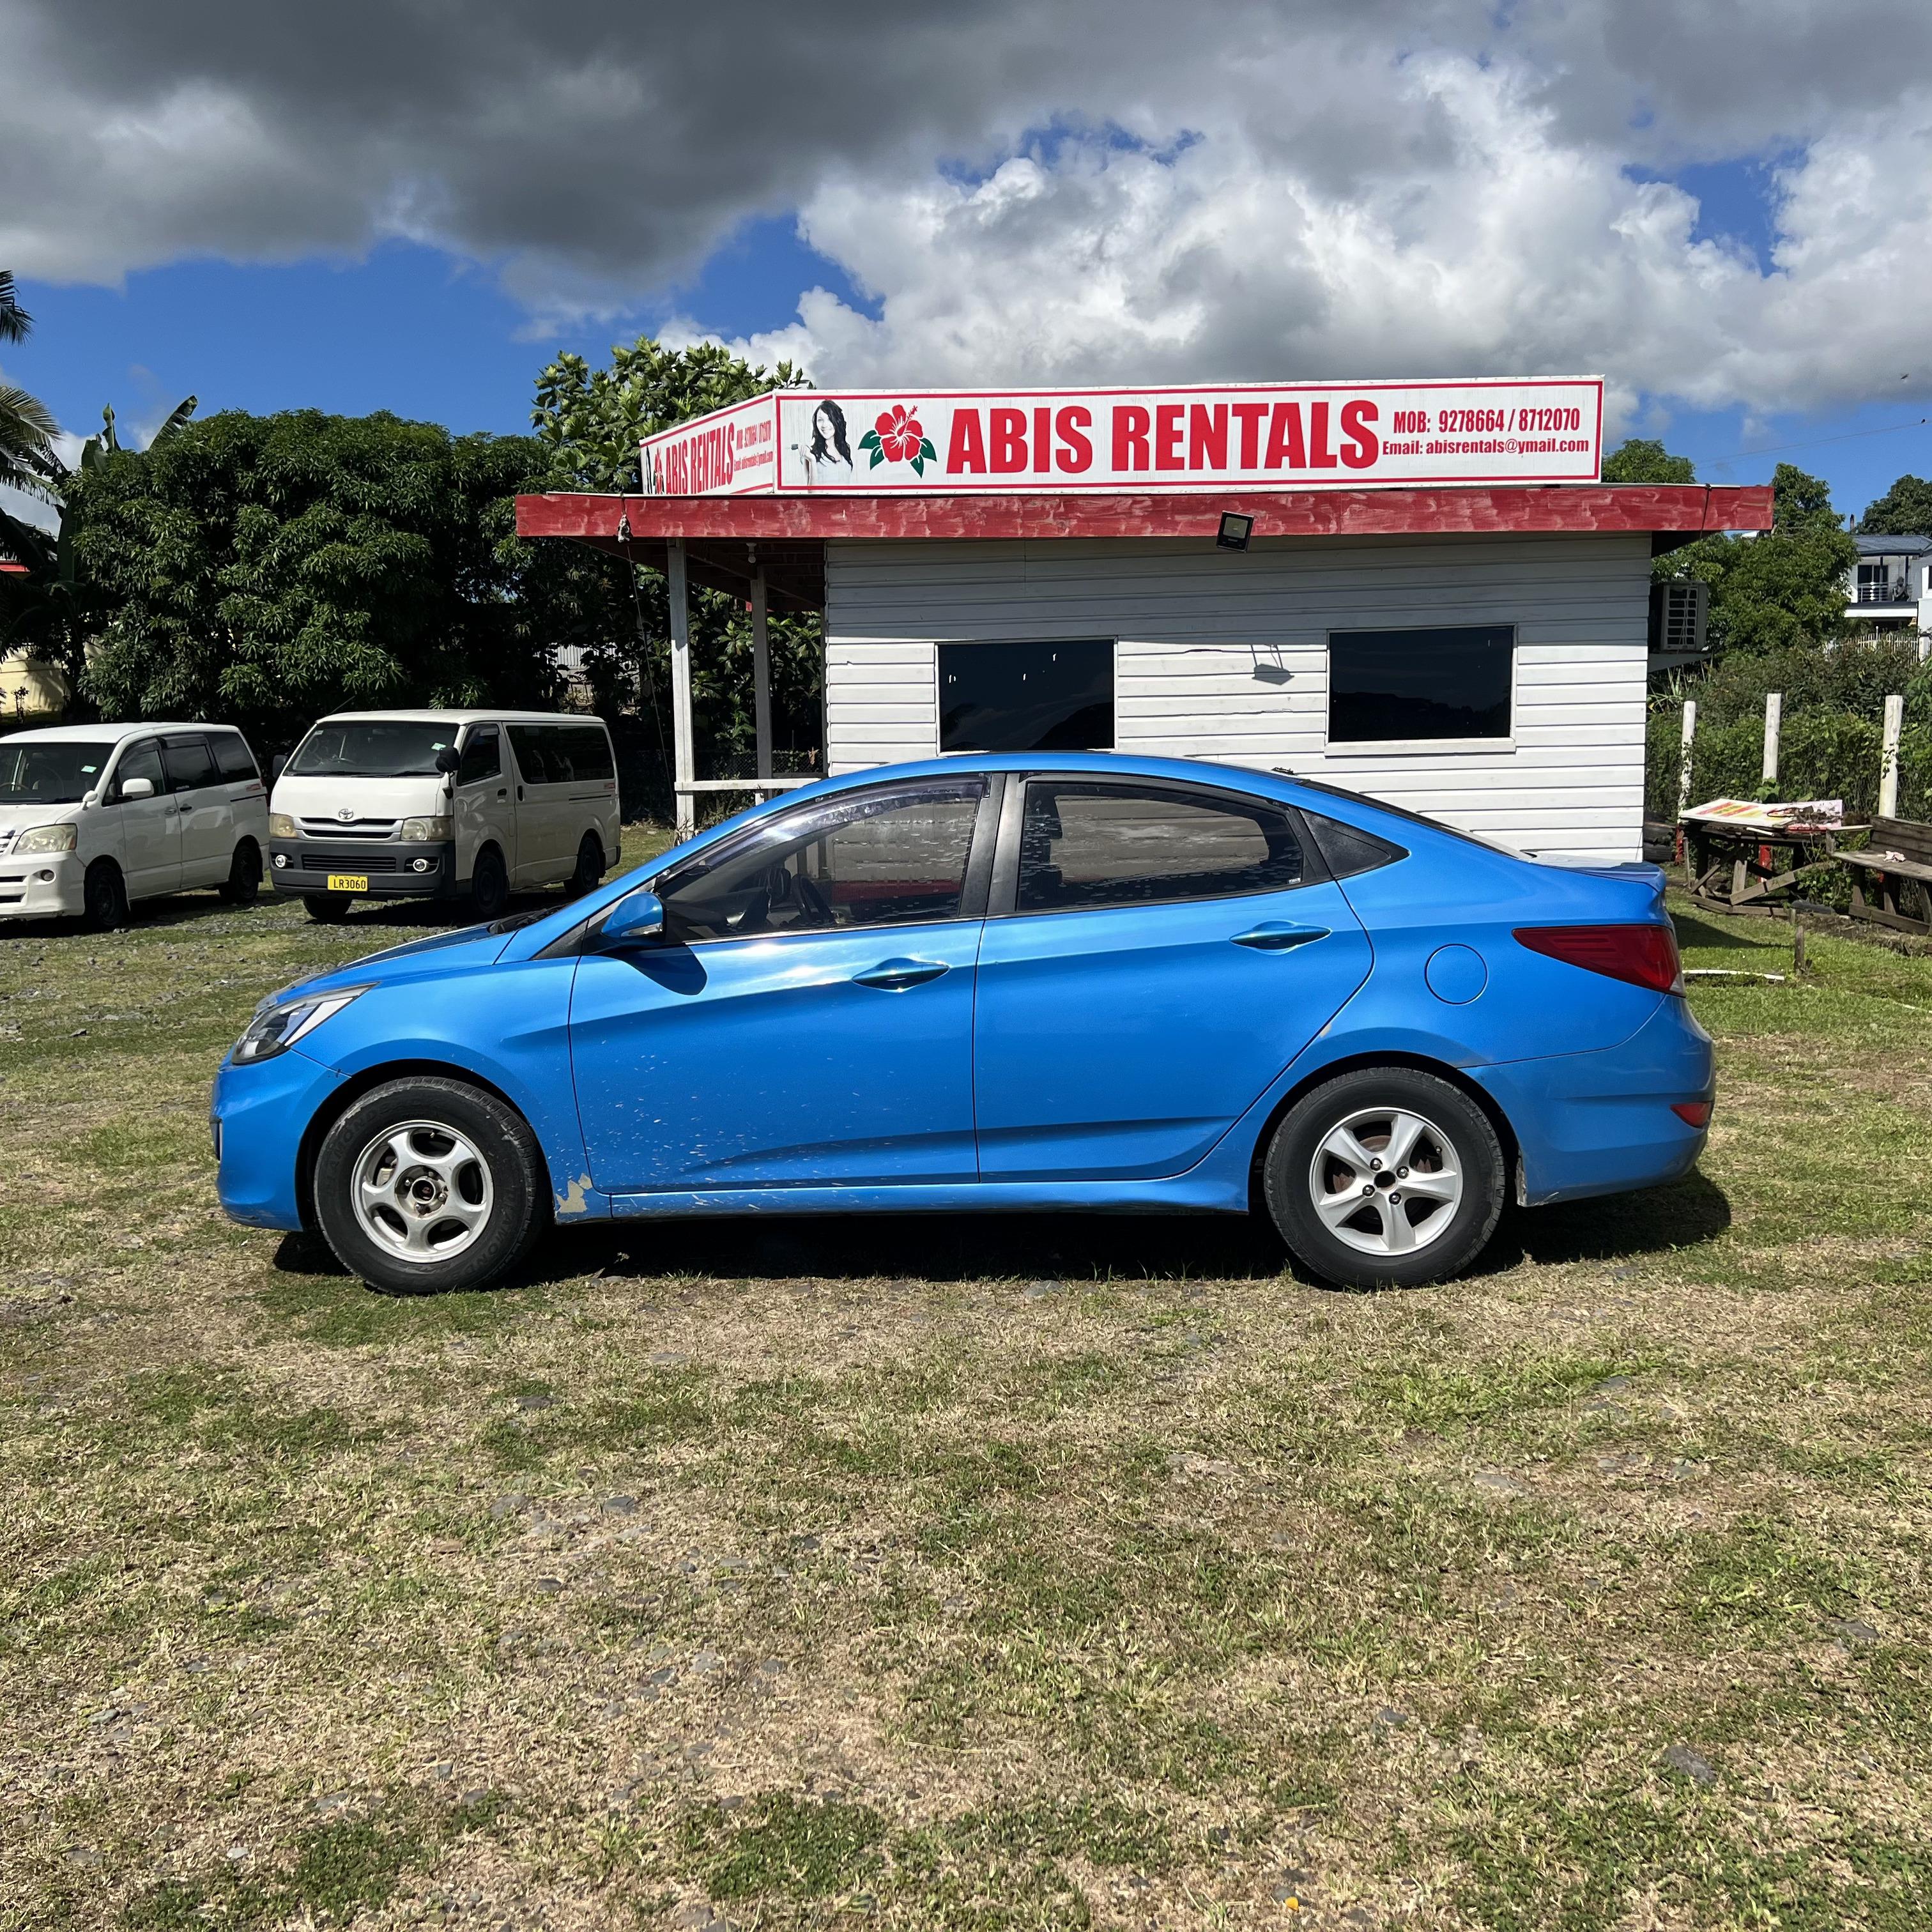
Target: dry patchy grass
x: 966, y: 1574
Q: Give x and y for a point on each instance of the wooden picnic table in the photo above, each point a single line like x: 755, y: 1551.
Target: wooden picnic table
x: 1734, y: 866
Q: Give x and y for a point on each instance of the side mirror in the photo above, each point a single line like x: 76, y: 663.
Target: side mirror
x: 275, y: 765
x: 137, y: 788
x: 638, y: 915
x: 448, y: 759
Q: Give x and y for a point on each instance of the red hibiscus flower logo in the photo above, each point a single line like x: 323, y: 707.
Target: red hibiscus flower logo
x: 897, y: 437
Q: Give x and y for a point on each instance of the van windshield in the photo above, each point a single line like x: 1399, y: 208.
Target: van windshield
x: 394, y: 749
x: 61, y: 773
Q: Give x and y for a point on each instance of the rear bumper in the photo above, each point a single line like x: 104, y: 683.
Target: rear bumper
x: 417, y: 872
x: 260, y: 1114
x: 1601, y: 1123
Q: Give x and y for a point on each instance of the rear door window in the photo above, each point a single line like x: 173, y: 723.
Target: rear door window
x: 1084, y: 845
x: 190, y: 765
x: 894, y: 856
x: 233, y: 757
x: 527, y: 740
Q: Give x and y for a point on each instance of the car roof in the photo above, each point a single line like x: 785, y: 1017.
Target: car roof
x: 428, y: 715
x: 112, y: 733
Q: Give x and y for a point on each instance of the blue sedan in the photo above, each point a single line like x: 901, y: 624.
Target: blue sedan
x: 999, y: 983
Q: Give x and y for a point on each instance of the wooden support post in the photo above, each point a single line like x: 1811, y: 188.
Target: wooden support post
x: 1773, y: 718
x: 683, y: 758
x: 1888, y: 764
x: 761, y: 673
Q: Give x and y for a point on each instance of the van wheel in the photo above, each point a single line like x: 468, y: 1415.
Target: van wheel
x: 589, y: 867
x: 327, y: 908
x: 1385, y: 1178
x: 105, y: 893
x: 426, y: 1185
x: 489, y: 886
x: 244, y: 874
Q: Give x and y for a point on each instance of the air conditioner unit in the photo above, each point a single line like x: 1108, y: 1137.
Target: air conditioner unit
x: 1679, y: 610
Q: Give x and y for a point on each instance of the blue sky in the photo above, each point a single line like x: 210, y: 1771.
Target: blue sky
x: 432, y: 335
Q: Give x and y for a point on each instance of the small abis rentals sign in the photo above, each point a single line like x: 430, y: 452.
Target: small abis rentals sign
x: 1297, y: 435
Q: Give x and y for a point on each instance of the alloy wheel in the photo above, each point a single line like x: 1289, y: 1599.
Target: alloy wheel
x: 1385, y: 1181
x: 422, y: 1191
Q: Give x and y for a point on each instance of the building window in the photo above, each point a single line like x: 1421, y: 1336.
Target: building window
x: 1453, y: 682
x: 1027, y: 698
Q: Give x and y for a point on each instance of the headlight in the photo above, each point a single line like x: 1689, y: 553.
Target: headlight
x: 281, y: 826
x: 276, y: 1028
x: 418, y: 831
x: 45, y: 839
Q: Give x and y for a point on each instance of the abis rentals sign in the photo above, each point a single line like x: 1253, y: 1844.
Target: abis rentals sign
x: 1302, y: 435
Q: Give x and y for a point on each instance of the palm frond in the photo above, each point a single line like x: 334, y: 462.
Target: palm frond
x: 15, y: 321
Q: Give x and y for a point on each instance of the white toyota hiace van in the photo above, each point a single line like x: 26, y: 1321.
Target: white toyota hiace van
x: 437, y: 804
x: 92, y: 816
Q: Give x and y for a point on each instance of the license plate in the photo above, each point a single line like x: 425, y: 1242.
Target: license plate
x: 348, y: 882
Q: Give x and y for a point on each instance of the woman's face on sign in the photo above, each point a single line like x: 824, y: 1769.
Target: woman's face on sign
x: 821, y: 426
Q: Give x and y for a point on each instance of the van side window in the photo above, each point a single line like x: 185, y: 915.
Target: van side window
x: 140, y: 761
x: 588, y: 751
x: 482, y: 757
x: 189, y: 764
x: 526, y: 740
x: 232, y: 755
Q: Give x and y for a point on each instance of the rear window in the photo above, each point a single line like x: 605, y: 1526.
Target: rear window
x: 232, y: 755
x: 189, y: 763
x: 562, y: 754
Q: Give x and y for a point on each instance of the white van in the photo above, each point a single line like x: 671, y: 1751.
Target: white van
x: 93, y: 816
x: 438, y: 804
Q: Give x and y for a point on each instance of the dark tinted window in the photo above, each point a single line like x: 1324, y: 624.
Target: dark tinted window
x: 140, y: 761
x: 1083, y: 844
x: 587, y: 750
x: 233, y: 755
x: 878, y: 858
x: 190, y: 764
x: 482, y: 757
x: 1027, y: 698
x: 1347, y: 849
x: 532, y: 754
x: 1453, y: 681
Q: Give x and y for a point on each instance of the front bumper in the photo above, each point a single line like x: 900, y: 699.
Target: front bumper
x: 259, y: 1114
x: 42, y: 885
x: 395, y: 871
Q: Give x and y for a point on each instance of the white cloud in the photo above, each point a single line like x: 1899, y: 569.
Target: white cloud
x: 1250, y: 187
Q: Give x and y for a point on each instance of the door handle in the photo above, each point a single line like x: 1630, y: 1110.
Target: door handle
x: 502, y: 791
x: 895, y: 975
x: 1273, y: 936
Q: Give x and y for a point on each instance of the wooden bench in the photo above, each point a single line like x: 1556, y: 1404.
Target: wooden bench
x: 1898, y: 862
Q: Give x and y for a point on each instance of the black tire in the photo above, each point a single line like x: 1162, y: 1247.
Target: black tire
x: 1459, y: 1171
x: 488, y: 1208
x: 244, y: 874
x: 589, y: 867
x: 105, y: 896
x: 327, y: 908
x: 489, y: 885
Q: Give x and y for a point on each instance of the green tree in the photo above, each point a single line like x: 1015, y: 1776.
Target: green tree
x: 1641, y: 459
x: 1905, y: 510
x: 1782, y: 588
x: 590, y: 422
x: 263, y: 570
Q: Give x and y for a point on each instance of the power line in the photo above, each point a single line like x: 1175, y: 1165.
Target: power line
x: 1818, y: 443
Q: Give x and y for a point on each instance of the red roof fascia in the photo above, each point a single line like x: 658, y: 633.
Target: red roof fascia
x: 1677, y: 507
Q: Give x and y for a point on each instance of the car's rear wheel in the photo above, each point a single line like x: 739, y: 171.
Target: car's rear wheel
x: 104, y: 894
x: 1385, y: 1176
x: 490, y: 885
x: 244, y: 874
x: 589, y: 866
x: 426, y: 1185
x: 327, y: 908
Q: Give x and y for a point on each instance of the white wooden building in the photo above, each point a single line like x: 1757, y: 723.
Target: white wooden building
x: 1475, y: 650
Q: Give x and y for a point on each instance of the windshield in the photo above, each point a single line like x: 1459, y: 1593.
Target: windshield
x: 393, y: 749
x: 50, y: 774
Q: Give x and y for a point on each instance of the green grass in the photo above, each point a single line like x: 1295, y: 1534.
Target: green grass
x: 814, y: 1572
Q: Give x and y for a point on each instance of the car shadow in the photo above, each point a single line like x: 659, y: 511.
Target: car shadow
x: 1684, y: 1213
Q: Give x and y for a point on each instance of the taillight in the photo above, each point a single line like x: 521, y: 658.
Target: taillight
x: 1646, y: 955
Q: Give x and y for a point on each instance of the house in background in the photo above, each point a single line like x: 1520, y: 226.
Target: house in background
x: 1890, y: 587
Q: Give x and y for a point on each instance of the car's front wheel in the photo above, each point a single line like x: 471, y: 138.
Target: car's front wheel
x: 1387, y: 1177
x: 105, y: 893
x: 327, y: 908
x: 425, y: 1185
x: 489, y: 886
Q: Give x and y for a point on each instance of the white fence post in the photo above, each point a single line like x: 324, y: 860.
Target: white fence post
x: 761, y: 673
x: 684, y: 764
x: 1774, y: 719
x: 1888, y: 763
x: 1684, y: 762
